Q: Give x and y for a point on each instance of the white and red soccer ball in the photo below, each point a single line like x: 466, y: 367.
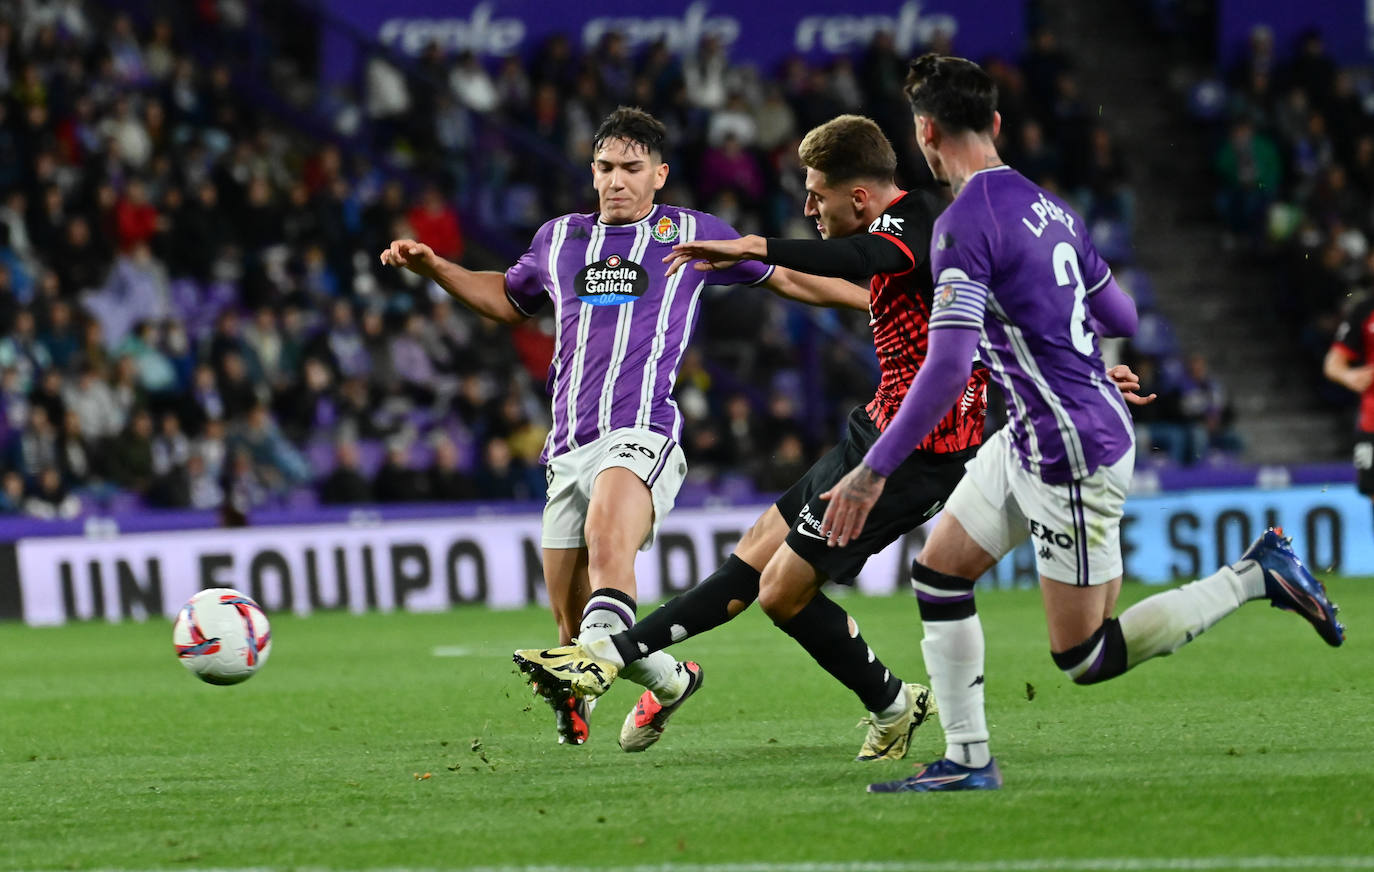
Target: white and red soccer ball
x: 222, y: 636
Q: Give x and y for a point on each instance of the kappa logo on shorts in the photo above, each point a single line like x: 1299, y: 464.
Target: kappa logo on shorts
x: 1042, y: 533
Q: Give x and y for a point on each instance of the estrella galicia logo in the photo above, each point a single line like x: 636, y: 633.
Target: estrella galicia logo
x: 613, y: 281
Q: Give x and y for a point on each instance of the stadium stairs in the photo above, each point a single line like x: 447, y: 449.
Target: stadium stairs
x: 1205, y: 293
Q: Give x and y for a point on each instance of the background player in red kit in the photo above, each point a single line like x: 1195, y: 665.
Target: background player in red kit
x: 1350, y: 362
x: 874, y: 230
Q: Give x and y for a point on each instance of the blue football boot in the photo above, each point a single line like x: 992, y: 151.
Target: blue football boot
x: 1289, y: 586
x: 944, y: 774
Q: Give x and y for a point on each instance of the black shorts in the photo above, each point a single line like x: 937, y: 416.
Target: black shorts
x: 914, y: 492
x: 1364, y: 463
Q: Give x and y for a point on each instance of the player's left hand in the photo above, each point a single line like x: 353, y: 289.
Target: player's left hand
x: 710, y: 254
x: 850, y: 501
x: 1128, y: 383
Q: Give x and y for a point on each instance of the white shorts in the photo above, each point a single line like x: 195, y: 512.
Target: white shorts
x: 657, y: 460
x: 1075, y: 528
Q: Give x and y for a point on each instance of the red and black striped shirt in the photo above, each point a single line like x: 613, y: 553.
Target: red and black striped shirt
x: 899, y: 313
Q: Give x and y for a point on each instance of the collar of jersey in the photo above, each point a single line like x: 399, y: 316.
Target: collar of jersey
x: 644, y: 220
x: 990, y: 169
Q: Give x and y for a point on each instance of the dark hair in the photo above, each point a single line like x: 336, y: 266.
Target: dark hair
x: 847, y: 148
x: 633, y: 125
x: 956, y: 92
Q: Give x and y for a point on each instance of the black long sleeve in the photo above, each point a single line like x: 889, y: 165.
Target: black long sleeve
x: 849, y: 257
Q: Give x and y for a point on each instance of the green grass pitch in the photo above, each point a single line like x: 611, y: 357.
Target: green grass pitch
x: 409, y: 742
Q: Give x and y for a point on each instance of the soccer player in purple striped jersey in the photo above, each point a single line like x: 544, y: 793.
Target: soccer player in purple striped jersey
x: 1018, y: 281
x: 613, y: 460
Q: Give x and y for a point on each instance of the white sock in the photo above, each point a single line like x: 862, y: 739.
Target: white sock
x: 604, y: 617
x: 953, y: 652
x: 895, y: 708
x: 660, y: 673
x: 603, y: 648
x: 1161, y: 624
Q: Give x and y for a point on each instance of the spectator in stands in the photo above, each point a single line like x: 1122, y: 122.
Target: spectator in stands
x: 48, y: 498
x: 131, y: 456
x: 204, y: 488
x: 729, y: 166
x: 171, y: 448
x: 75, y: 459
x: 11, y: 493
x: 82, y: 262
x: 236, y: 387
x: 279, y: 464
x: 1250, y: 173
x: 22, y: 352
x: 59, y: 336
x: 1206, y: 404
x: 786, y: 465
x: 397, y: 481
x: 345, y: 484
x: 97, y: 413
x: 473, y: 85
x: 447, y: 481
x: 436, y: 224
x: 310, y: 405
x: 501, y: 476
x: 135, y: 290
x: 119, y: 140
x: 156, y: 375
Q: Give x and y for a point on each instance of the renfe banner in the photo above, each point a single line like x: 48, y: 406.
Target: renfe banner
x: 1346, y: 27
x: 495, y: 561
x: 760, y: 33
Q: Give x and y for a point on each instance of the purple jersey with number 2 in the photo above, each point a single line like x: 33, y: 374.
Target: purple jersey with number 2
x: 1011, y: 260
x: 621, y: 326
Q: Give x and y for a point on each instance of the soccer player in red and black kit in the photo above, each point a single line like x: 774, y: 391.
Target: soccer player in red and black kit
x: 1350, y: 363
x: 873, y: 230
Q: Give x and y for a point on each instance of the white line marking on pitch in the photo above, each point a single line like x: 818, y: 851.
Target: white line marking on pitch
x: 1064, y: 864
x: 453, y: 651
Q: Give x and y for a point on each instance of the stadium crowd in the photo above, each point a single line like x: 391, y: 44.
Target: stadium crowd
x: 192, y: 313
x: 1295, y: 174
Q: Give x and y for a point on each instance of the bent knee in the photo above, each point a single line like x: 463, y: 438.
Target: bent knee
x: 1100, y: 657
x: 779, y: 600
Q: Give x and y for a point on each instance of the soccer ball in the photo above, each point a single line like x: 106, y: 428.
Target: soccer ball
x: 222, y: 636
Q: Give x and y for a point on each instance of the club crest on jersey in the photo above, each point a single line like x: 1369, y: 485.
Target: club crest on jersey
x: 665, y: 230
x: 945, y: 295
x: 612, y: 281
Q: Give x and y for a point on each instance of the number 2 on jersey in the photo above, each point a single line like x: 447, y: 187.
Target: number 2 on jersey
x: 1067, y: 274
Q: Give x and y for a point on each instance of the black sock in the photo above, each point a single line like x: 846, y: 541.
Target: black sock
x: 700, y: 609
x: 823, y: 629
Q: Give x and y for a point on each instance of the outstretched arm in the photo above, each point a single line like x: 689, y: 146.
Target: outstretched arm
x: 1113, y: 310
x: 482, y: 292
x: 817, y: 290
x: 1338, y: 367
x: 858, y: 256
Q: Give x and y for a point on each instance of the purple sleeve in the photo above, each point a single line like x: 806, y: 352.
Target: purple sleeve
x: 746, y: 272
x: 936, y: 387
x: 1113, y: 309
x: 524, y: 280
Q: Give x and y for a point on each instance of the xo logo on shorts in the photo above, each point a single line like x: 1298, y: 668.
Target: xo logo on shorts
x: 1042, y: 533
x: 612, y: 281
x: 627, y: 450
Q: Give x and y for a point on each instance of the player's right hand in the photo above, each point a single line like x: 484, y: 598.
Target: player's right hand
x: 712, y: 254
x: 414, y: 256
